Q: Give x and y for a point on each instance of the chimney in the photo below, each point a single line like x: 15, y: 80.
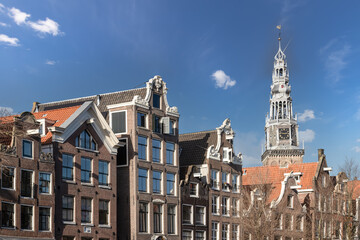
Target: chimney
x: 320, y: 153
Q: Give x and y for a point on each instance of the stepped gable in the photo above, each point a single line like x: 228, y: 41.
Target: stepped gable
x: 101, y: 100
x: 194, y: 146
x: 58, y: 116
x: 274, y: 175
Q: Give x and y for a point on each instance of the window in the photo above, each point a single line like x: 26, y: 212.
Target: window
x: 172, y: 127
x: 156, y: 124
x: 103, y: 173
x: 156, y: 182
x: 86, y: 210
x: 156, y: 150
x: 8, y: 177
x: 44, y: 218
x: 235, y: 207
x: 142, y: 180
x: 171, y: 219
x: 143, y: 217
x: 157, y: 209
x: 141, y: 119
x: 227, y: 154
x: 67, y: 238
x: 200, y: 235
x: 27, y: 148
x: 299, y: 223
x: 200, y: 215
x: 187, y: 214
x: 214, y: 179
x: 278, y: 221
x: 225, y: 206
x: 26, y: 183
x: 118, y: 121
x: 44, y: 183
x: 215, y: 204
x: 290, y: 201
x: 225, y: 231
x: 214, y: 231
x: 142, y: 148
x: 26, y: 217
x: 122, y: 155
x: 324, y: 181
x: 193, y: 189
x: 156, y: 100
x: 170, y: 149
x: 68, y: 208
x: 170, y: 183
x: 235, y: 232
x: 187, y: 235
x: 225, y: 181
x: 67, y: 167
x: 234, y: 182
x: 85, y: 140
x: 7, y: 216
x: 288, y: 222
x: 85, y: 170
x: 103, y: 212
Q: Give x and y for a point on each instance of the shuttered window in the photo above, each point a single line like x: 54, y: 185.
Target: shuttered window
x: 118, y: 122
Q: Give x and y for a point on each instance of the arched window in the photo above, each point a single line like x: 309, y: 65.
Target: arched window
x: 281, y: 72
x: 85, y: 140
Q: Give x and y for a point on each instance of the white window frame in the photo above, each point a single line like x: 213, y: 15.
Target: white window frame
x: 226, y: 185
x: 147, y: 217
x: 237, y: 231
x: 50, y: 219
x: 110, y: 120
x: 217, y: 179
x: 227, y: 199
x: 161, y: 182
x: 217, y: 230
x: 291, y: 204
x: 227, y: 232
x: 33, y: 218
x: 191, y: 214
x: 14, y: 180
x: 74, y: 210
x: 146, y: 120
x: 92, y: 160
x: 14, y: 217
x: 203, y: 231
x: 226, y: 152
x: 188, y: 230
x: 32, y: 149
x: 92, y: 211
x: 204, y: 217
x: 217, y: 213
x: 237, y: 187
x: 50, y: 184
x: 109, y: 212
x: 175, y: 220
x: 32, y: 182
x: 147, y: 181
x: 197, y: 190
x: 237, y: 206
x: 108, y: 176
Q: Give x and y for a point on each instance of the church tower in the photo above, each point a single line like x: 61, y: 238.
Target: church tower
x: 281, y: 128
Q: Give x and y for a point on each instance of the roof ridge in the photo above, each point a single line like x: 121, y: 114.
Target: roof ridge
x: 294, y: 164
x: 198, y: 132
x: 57, y: 109
x: 85, y: 97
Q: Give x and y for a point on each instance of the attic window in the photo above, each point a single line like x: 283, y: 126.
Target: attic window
x: 44, y: 115
x: 156, y: 100
x: 85, y: 140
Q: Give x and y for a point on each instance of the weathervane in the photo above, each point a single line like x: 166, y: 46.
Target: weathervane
x: 279, y: 27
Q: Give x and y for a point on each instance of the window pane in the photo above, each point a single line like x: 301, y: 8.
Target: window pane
x: 7, y: 217
x: 44, y: 219
x: 67, y: 208
x: 156, y: 150
x: 26, y: 183
x: 143, y: 217
x: 85, y: 170
x: 142, y: 147
x: 44, y: 183
x: 26, y: 217
x: 118, y: 122
x: 156, y: 100
x: 103, y: 212
x: 141, y: 119
x: 170, y: 181
x: 187, y: 214
x: 67, y: 166
x: 121, y: 157
x: 27, y: 148
x: 171, y: 219
x: 157, y: 218
x: 103, y: 172
x: 156, y: 182
x: 142, y: 180
x: 8, y: 177
x: 86, y: 210
x: 170, y: 148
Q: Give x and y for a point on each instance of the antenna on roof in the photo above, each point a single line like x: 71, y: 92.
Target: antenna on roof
x: 287, y: 45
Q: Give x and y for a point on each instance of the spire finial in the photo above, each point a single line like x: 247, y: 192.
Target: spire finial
x: 279, y: 27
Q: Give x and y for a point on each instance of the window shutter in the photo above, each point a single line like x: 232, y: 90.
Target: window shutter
x: 153, y: 122
x: 119, y: 122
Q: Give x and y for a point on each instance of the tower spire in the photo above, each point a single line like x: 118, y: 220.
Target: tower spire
x: 281, y: 128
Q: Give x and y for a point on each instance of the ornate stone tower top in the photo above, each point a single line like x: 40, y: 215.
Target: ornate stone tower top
x: 281, y: 128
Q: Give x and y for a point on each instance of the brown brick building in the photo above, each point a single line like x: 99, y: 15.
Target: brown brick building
x: 213, y: 155
x: 27, y: 175
x: 148, y: 193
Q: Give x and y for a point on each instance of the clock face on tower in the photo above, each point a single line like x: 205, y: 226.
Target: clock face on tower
x: 284, y: 134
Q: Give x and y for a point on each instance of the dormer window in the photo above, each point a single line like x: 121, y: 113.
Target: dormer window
x: 156, y: 100
x: 85, y: 140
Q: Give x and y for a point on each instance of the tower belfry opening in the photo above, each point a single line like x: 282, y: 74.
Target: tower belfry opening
x: 281, y: 128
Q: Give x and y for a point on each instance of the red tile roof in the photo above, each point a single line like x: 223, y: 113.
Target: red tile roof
x: 274, y: 175
x: 354, y: 188
x: 59, y: 116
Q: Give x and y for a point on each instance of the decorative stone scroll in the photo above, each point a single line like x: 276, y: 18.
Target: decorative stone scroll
x: 46, y: 157
x: 213, y: 152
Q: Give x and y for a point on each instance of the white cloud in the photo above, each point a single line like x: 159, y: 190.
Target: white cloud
x: 2, y: 8
x: 335, y: 53
x: 50, y: 62
x: 18, y: 16
x: 358, y: 140
x: 48, y: 26
x: 4, y: 24
x: 307, y: 136
x: 222, y: 80
x: 356, y: 149
x: 306, y: 115
x: 9, y: 40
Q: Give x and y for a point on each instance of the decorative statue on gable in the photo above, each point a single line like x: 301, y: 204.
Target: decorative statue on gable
x: 157, y: 82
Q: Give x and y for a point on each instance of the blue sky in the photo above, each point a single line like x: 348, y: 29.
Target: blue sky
x: 52, y: 50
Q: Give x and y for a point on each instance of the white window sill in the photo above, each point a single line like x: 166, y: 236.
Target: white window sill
x: 45, y: 231
x: 87, y: 224
x: 26, y: 197
x: 88, y: 184
x: 69, y: 223
x: 87, y: 150
x: 104, y: 186
x: 194, y: 196
x: 8, y: 228
x: 45, y: 194
x: 30, y: 158
x: 27, y: 230
x: 188, y: 224
x: 8, y: 189
x: 104, y: 226
x: 69, y: 181
x: 216, y: 214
